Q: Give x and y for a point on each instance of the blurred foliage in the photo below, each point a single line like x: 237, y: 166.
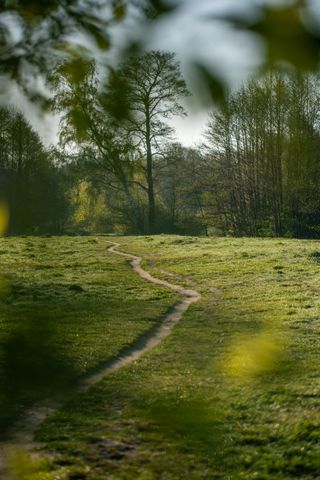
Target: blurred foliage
x: 21, y: 466
x: 4, y: 218
x: 209, y: 85
x: 35, y: 35
x: 33, y: 366
x: 117, y: 104
x: 251, y: 357
x: 31, y: 358
x: 288, y: 37
x: 75, y: 70
x: 195, y: 420
x: 156, y: 8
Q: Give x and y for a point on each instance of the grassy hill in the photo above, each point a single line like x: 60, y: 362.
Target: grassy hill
x: 232, y: 393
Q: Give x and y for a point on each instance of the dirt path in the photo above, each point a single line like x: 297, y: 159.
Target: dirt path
x: 23, y: 431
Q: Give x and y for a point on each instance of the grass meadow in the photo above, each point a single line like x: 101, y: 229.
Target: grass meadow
x: 233, y: 393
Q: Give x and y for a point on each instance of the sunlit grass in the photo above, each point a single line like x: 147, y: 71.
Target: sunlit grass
x: 232, y: 393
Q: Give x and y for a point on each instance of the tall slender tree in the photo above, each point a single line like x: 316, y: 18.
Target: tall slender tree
x: 153, y: 87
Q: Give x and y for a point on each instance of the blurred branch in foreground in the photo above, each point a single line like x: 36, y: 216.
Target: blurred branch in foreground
x: 36, y: 36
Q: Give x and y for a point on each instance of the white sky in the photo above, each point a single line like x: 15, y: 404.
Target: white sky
x: 189, y: 130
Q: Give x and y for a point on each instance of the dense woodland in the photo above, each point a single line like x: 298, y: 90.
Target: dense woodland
x: 31, y: 181
x: 263, y: 158
x: 118, y: 168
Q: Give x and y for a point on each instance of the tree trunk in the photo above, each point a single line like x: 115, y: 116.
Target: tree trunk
x: 151, y: 199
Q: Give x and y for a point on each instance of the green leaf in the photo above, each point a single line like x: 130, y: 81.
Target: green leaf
x: 33, y: 11
x: 119, y: 10
x: 80, y: 122
x: 101, y: 38
x: 76, y: 70
x: 215, y: 86
x: 115, y: 100
x: 160, y: 7
x: 287, y: 38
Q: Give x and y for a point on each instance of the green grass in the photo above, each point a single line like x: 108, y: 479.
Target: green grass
x: 79, y: 304
x: 233, y: 393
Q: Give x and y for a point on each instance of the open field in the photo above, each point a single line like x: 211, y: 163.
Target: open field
x: 70, y: 301
x: 233, y: 393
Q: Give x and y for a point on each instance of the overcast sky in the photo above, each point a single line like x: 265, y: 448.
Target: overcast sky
x: 195, y: 33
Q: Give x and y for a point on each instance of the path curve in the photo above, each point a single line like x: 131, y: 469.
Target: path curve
x: 23, y: 431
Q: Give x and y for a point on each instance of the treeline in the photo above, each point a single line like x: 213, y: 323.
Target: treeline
x: 263, y: 158
x: 256, y: 173
x: 119, y: 169
x: 30, y: 182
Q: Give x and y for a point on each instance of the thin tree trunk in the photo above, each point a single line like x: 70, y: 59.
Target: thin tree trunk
x: 151, y: 199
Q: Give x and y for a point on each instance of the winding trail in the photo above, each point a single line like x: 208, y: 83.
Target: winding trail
x: 23, y: 431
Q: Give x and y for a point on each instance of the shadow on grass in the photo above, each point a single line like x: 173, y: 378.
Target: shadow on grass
x: 32, y: 367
